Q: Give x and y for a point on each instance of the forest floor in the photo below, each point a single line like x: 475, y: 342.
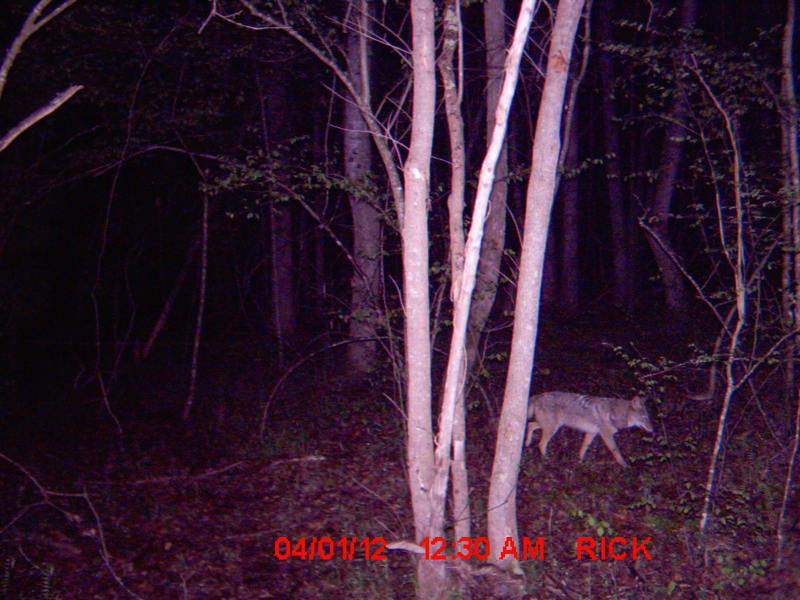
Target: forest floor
x: 207, y: 512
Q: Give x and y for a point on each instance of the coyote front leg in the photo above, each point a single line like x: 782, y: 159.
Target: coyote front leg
x: 608, y: 438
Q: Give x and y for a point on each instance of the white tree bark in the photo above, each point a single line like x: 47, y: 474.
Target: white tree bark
x: 494, y: 18
x: 35, y: 20
x: 427, y: 508
x: 455, y: 205
x: 791, y: 210
x: 502, y: 516
x: 456, y: 364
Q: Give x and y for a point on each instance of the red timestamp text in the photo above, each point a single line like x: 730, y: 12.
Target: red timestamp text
x: 466, y: 548
x: 326, y: 548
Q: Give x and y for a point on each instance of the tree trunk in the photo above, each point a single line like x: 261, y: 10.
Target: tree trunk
x: 502, y: 507
x: 365, y: 284
x: 568, y: 164
x: 456, y: 368
x: 620, y: 248
x: 661, y: 205
x: 275, y: 104
x: 432, y: 582
x: 455, y: 207
x: 428, y: 521
x: 790, y: 275
x: 735, y: 253
x: 569, y: 223
x: 201, y: 306
x: 494, y: 235
x: 318, y: 260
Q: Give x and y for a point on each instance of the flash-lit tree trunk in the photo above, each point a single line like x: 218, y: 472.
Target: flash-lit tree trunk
x: 455, y: 207
x: 734, y: 251
x: 790, y: 276
x: 456, y: 363
x: 661, y: 205
x: 494, y: 236
x: 428, y: 510
x: 622, y: 271
x: 502, y: 506
x: 788, y: 485
x: 365, y: 284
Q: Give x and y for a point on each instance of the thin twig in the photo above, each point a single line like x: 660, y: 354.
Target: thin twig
x: 174, y: 478
x: 104, y: 554
x: 279, y: 384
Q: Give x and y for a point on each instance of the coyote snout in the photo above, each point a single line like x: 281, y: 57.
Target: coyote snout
x: 589, y: 414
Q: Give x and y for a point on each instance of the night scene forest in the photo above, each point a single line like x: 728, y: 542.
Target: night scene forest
x: 371, y: 299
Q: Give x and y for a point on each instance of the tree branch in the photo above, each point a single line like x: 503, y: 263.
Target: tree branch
x: 376, y: 129
x: 33, y: 23
x: 38, y: 115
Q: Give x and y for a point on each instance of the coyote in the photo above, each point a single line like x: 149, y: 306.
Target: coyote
x: 589, y: 414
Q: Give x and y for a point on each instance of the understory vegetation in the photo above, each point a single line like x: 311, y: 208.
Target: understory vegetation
x: 173, y: 511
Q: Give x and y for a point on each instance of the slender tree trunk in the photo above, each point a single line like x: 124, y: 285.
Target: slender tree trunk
x: 365, y: 284
x: 568, y: 163
x: 791, y: 255
x: 502, y: 506
x: 569, y: 289
x: 791, y: 181
x: 428, y: 518
x: 170, y: 301
x: 620, y: 247
x: 201, y: 306
x: 455, y: 206
x: 788, y: 485
x: 318, y: 259
x: 324, y: 53
x: 281, y: 280
x: 735, y: 255
x: 671, y: 155
x: 661, y: 205
x: 456, y: 368
x: 494, y: 235
x: 275, y: 105
x: 636, y: 188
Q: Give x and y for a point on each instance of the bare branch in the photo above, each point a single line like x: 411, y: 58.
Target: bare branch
x: 377, y: 130
x: 33, y: 23
x: 38, y: 115
x: 668, y: 251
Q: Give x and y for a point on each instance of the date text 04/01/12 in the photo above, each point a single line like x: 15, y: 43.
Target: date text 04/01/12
x: 325, y: 548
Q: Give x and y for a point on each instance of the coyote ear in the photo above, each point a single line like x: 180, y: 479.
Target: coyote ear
x: 637, y: 401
